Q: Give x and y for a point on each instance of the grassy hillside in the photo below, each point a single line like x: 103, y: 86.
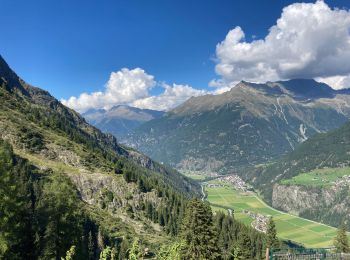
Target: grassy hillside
x: 325, y: 177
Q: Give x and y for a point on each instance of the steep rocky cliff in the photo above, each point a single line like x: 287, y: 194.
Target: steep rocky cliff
x: 326, y: 205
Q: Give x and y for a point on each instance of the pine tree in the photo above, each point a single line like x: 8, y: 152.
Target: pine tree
x: 58, y: 207
x: 244, y: 247
x: 341, y: 241
x: 271, y: 234
x: 141, y: 185
x: 198, y: 232
x: 16, y: 234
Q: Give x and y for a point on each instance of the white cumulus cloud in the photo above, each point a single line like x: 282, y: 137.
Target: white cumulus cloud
x: 132, y: 87
x: 309, y: 40
x: 171, y: 97
x: 123, y: 87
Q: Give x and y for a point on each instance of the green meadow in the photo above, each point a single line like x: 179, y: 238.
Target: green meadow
x: 318, y: 178
x: 289, y: 227
x: 198, y: 176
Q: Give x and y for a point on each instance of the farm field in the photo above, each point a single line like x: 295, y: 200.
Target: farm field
x: 289, y: 227
x: 319, y: 178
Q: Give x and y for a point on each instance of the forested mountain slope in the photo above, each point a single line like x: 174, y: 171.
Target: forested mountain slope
x: 32, y: 120
x: 248, y: 125
x: 313, y: 180
x: 74, y: 185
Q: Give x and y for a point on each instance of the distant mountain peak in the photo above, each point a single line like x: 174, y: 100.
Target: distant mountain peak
x: 309, y: 88
x: 120, y: 119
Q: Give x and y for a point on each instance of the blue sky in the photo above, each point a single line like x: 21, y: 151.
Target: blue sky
x: 70, y: 47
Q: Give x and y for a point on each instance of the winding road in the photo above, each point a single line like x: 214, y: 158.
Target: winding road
x: 203, y: 193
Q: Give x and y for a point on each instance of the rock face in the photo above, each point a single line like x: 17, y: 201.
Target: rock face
x: 250, y: 124
x: 109, y: 192
x: 327, y: 205
x: 120, y: 120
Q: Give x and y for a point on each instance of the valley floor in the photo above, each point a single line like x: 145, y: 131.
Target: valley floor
x: 251, y: 210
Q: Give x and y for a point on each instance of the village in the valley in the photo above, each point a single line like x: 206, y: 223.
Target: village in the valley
x: 259, y: 221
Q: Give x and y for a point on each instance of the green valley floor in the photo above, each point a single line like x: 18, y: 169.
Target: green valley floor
x: 290, y: 227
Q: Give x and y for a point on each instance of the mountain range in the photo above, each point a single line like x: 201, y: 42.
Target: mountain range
x: 69, y: 184
x: 250, y: 124
x: 120, y: 120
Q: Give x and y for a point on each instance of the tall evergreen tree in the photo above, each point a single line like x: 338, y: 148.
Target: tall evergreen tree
x: 243, y: 248
x: 16, y: 209
x: 59, y: 213
x: 341, y: 242
x: 198, y: 232
x: 271, y: 234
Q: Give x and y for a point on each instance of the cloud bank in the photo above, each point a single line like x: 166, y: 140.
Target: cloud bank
x: 132, y: 87
x: 309, y: 40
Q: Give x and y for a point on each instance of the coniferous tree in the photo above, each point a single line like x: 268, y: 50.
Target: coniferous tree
x: 198, y: 232
x: 341, y: 241
x: 59, y: 213
x: 244, y: 248
x: 16, y: 234
x: 271, y: 234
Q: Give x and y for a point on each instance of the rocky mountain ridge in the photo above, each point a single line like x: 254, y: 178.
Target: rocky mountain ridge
x: 120, y: 120
x: 248, y: 125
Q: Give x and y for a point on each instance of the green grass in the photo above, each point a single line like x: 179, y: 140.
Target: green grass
x: 318, y: 178
x: 289, y: 227
x: 194, y: 175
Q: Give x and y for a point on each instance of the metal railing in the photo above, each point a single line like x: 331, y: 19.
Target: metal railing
x: 309, y: 254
